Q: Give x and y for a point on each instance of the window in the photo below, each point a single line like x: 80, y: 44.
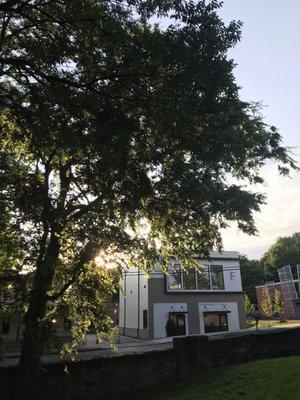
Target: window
x: 178, y: 324
x: 189, y: 279
x: 215, y: 322
x: 207, y: 278
x: 203, y: 278
x: 5, y: 327
x: 174, y: 278
x: 145, y: 319
x: 217, y: 279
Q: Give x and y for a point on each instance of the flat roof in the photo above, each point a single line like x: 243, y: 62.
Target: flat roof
x: 224, y: 254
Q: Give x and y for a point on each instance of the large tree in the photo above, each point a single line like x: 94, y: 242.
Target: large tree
x: 285, y: 251
x: 108, y: 120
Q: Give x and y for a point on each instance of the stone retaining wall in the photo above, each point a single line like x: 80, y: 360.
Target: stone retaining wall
x: 130, y: 376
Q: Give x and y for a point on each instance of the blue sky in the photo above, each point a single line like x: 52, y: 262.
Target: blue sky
x: 268, y: 70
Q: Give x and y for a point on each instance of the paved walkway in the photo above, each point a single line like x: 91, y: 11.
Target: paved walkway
x: 126, y: 345
x: 91, y: 349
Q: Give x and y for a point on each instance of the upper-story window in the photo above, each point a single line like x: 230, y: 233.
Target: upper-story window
x: 203, y: 278
x: 189, y: 280
x: 208, y: 278
x: 175, y: 278
x: 217, y: 278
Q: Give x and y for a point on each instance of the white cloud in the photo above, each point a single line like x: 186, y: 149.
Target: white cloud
x: 279, y: 217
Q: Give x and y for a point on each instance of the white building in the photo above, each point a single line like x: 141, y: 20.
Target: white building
x: 205, y: 301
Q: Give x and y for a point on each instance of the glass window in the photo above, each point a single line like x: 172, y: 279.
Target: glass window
x: 215, y: 322
x: 5, y: 327
x: 179, y: 324
x: 174, y: 278
x: 203, y: 278
x: 145, y: 319
x: 217, y: 280
x: 189, y: 279
x: 206, y: 278
x: 223, y: 322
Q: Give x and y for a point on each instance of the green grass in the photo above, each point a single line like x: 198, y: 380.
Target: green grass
x: 272, y: 323
x: 259, y: 380
x: 263, y: 323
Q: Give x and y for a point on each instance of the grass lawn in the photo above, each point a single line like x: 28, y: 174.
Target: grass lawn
x: 259, y: 380
x: 274, y: 323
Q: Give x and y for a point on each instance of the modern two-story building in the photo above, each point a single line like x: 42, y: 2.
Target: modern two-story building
x: 198, y: 301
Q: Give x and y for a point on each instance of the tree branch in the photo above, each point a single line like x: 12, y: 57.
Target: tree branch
x: 11, y: 278
x: 87, y: 254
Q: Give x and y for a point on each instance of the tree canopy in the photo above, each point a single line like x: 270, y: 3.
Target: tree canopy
x: 285, y: 251
x: 109, y: 121
x: 253, y: 274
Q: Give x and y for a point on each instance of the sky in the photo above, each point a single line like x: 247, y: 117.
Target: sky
x: 268, y: 70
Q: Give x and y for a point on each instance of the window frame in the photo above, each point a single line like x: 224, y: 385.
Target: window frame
x: 174, y: 269
x: 181, y: 272
x: 210, y: 273
x: 219, y: 314
x: 209, y: 278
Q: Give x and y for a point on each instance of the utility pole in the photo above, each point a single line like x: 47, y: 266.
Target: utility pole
x: 139, y: 289
x: 124, y: 327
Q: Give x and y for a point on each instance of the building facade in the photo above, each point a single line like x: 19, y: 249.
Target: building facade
x: 289, y: 287
x: 197, y: 301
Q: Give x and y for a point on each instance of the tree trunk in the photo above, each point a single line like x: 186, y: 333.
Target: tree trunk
x: 32, y: 347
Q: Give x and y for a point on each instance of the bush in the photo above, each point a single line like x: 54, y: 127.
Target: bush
x: 171, y: 329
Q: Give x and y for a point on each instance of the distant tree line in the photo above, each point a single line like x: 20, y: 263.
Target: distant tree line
x: 285, y: 251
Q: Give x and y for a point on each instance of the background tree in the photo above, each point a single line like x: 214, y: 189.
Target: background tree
x: 285, y: 251
x: 13, y: 285
x: 253, y: 274
x: 107, y: 121
x: 249, y: 307
x: 278, y: 302
x: 267, y: 304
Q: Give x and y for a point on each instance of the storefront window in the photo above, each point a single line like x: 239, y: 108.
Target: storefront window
x: 215, y: 322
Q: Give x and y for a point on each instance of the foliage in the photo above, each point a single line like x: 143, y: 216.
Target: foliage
x: 272, y: 304
x: 278, y: 302
x: 249, y: 307
x: 253, y: 274
x: 267, y: 303
x: 171, y: 329
x: 13, y: 286
x: 285, y: 251
x: 106, y: 122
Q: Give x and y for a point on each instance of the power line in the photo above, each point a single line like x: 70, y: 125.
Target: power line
x: 149, y: 274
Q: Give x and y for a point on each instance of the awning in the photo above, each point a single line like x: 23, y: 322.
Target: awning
x: 177, y: 312
x: 217, y: 312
